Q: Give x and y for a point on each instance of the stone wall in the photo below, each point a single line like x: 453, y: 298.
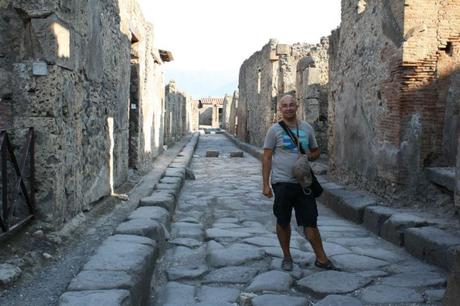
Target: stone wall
x: 227, y: 104
x: 312, y: 90
x: 264, y: 78
x: 393, y: 79
x: 178, y: 114
x: 65, y: 69
x: 232, y: 119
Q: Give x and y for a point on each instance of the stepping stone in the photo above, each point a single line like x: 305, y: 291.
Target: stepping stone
x: 234, y: 255
x: 355, y: 262
x: 380, y: 294
x: 271, y: 281
x: 176, y: 273
x: 176, y: 294
x: 212, y: 153
x: 330, y: 282
x: 415, y: 279
x: 339, y: 300
x: 231, y: 275
x: 237, y: 154
x: 277, y: 300
x: 218, y: 294
x: 96, y: 297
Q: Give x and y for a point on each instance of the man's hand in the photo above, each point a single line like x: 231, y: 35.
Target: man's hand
x: 267, y: 191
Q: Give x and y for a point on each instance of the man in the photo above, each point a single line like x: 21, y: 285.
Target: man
x: 280, y: 154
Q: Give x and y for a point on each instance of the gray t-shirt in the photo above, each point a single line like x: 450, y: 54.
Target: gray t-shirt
x: 285, y: 153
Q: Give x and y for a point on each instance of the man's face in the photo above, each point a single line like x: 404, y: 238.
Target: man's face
x: 288, y: 108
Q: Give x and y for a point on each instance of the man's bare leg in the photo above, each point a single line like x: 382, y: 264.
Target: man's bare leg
x: 313, y: 236
x: 284, y: 237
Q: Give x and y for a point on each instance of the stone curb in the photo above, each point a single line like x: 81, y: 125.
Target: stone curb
x: 120, y: 271
x: 418, y: 236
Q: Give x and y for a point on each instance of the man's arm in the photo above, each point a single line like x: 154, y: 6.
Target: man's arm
x: 266, y: 168
x: 313, y: 154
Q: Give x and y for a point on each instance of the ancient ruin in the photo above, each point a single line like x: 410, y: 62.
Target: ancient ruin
x: 130, y: 172
x: 272, y: 72
x: 97, y: 110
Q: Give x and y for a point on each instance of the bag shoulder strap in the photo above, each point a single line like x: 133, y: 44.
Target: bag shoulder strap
x: 293, y: 137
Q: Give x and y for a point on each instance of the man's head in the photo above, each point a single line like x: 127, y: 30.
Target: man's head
x: 288, y: 107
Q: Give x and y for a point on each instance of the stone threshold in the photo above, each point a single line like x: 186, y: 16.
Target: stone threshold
x: 420, y: 237
x: 121, y: 270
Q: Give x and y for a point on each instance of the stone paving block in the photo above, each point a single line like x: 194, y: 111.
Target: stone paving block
x: 124, y: 255
x: 353, y: 262
x: 169, y: 188
x: 156, y: 213
x: 415, y: 279
x: 379, y: 294
x: 175, y: 172
x: 96, y: 297
x: 393, y: 229
x: 212, y: 153
x: 108, y: 280
x: 218, y: 294
x: 177, y: 165
x: 339, y: 300
x: 176, y: 273
x: 277, y: 300
x: 234, y: 255
x: 436, y: 295
x: 348, y: 204
x: 237, y: 154
x: 100, y: 280
x: 160, y: 199
x: 375, y: 216
x: 329, y: 282
x: 431, y: 244
x: 187, y: 242
x: 187, y: 230
x: 271, y: 281
x: 142, y: 227
x: 175, y: 180
x: 231, y: 275
x: 176, y: 294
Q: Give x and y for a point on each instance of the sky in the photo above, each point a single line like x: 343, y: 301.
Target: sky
x: 210, y: 39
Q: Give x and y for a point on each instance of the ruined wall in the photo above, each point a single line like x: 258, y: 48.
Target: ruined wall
x: 226, y: 111
x: 312, y: 90
x: 65, y: 68
x: 177, y: 116
x: 392, y: 67
x: 233, y: 120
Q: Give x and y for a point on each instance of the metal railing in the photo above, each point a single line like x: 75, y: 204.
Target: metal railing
x: 17, y: 186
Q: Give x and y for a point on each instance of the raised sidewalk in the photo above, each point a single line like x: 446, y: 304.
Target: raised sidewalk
x: 121, y: 270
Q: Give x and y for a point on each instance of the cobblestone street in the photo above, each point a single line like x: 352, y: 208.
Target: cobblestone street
x: 223, y: 249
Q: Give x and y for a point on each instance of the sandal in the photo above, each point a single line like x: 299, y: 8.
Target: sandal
x: 326, y: 266
x: 287, y: 264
